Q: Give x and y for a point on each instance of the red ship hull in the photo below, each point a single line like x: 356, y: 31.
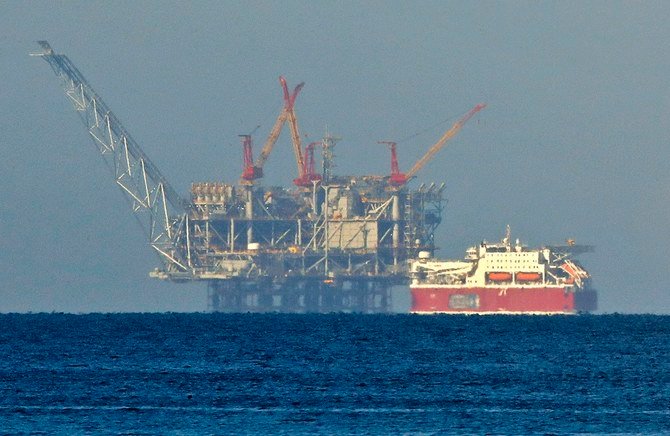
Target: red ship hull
x: 502, y: 299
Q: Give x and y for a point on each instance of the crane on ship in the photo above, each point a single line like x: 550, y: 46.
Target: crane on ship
x: 398, y: 179
x: 160, y: 210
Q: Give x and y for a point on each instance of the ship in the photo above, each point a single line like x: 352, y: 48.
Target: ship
x: 504, y: 278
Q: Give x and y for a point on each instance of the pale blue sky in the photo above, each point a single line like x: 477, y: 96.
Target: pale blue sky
x: 574, y: 143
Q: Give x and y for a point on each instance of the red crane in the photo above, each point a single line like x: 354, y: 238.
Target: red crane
x: 309, y: 174
x: 284, y: 115
x: 397, y: 178
x: 249, y: 171
x: 295, y: 134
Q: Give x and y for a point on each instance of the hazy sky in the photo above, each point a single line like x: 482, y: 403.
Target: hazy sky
x: 574, y: 142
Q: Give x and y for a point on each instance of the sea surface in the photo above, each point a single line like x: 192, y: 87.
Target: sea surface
x: 333, y: 374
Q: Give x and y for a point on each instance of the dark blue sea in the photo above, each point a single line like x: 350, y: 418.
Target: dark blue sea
x: 333, y: 374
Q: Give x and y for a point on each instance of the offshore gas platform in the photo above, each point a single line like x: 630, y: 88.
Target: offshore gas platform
x: 330, y: 243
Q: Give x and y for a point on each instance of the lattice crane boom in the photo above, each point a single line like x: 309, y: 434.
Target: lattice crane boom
x: 297, y: 146
x: 272, y: 139
x: 157, y: 206
x: 293, y: 126
x: 289, y: 102
x: 443, y: 140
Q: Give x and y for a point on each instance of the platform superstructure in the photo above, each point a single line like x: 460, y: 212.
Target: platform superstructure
x: 327, y: 243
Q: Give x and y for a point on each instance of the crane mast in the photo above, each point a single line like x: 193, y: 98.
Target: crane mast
x: 249, y: 172
x: 309, y: 174
x: 396, y: 178
x: 160, y: 210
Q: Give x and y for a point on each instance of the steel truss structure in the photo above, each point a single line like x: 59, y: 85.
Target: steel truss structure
x: 158, y: 207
